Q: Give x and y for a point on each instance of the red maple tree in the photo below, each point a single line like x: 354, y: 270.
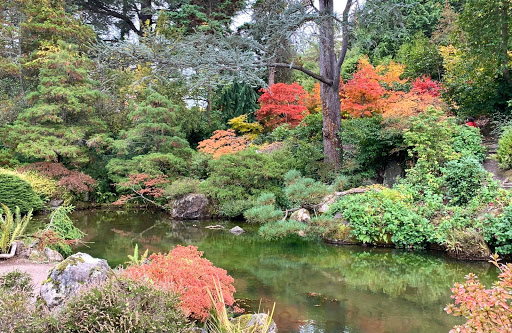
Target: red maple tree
x: 143, y: 186
x: 185, y: 272
x: 281, y: 104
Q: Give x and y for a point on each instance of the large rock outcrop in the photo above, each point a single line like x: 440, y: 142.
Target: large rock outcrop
x: 192, y: 206
x: 71, y: 275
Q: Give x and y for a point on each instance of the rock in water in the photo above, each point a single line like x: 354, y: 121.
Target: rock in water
x: 301, y: 215
x: 191, y: 207
x: 72, y: 274
x: 237, y: 230
x: 255, y: 323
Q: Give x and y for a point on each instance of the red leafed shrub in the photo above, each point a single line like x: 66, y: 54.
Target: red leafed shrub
x: 222, y: 142
x: 72, y: 180
x: 143, y: 186
x: 425, y: 85
x: 282, y: 104
x: 186, y: 273
x: 486, y: 310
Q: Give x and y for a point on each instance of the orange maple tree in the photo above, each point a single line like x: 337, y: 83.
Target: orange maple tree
x: 222, y: 142
x: 281, y: 104
x: 186, y: 273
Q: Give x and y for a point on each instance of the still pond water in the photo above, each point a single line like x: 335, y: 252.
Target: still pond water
x: 316, y: 287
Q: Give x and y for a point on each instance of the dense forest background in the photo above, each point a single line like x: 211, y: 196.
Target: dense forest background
x: 93, y: 91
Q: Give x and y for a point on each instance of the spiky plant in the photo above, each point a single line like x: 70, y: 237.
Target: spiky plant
x: 12, y: 227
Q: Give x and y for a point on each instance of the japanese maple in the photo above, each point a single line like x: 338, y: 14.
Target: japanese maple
x: 222, y: 142
x: 143, y: 186
x: 486, y: 310
x: 282, y: 104
x: 72, y: 180
x: 363, y: 94
x: 185, y: 272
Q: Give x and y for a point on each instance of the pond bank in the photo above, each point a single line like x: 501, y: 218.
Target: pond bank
x: 316, y: 287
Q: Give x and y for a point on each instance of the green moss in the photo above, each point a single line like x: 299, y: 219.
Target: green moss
x: 71, y: 261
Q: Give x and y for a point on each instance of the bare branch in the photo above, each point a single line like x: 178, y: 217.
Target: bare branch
x: 303, y: 70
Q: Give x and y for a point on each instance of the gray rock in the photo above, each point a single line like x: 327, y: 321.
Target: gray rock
x: 236, y: 230
x: 392, y: 171
x: 71, y: 275
x: 326, y: 202
x: 55, y: 203
x: 47, y: 255
x: 255, y: 323
x: 191, y: 207
x: 301, y: 215
x: 52, y: 255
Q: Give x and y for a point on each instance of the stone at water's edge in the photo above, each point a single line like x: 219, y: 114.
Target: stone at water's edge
x: 47, y: 255
x: 255, y: 323
x: 301, y: 215
x: 72, y: 274
x: 236, y: 230
x: 192, y: 206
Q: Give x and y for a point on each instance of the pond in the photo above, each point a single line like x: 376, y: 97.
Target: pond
x: 316, y: 287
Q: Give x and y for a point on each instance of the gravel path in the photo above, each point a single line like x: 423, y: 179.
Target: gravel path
x: 38, y: 272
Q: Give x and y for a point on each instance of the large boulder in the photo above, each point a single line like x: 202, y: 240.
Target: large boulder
x: 301, y: 215
x: 71, y: 275
x: 467, y: 244
x: 192, y: 206
x: 255, y: 323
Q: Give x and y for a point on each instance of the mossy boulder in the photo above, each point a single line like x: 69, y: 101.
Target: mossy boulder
x: 467, y: 244
x: 71, y: 275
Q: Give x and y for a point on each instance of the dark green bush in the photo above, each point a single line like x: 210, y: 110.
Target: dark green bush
x: 123, y: 306
x: 242, y: 177
x: 15, y: 192
x: 463, y: 178
x: 498, y: 231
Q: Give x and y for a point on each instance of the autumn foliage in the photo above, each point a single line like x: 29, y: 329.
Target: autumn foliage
x: 486, y: 310
x: 142, y: 186
x: 282, y: 104
x: 378, y: 90
x: 222, y: 142
x: 186, y: 273
x: 71, y: 180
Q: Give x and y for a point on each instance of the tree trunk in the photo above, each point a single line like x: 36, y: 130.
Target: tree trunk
x: 329, y: 93
x: 271, y: 76
x: 505, y: 37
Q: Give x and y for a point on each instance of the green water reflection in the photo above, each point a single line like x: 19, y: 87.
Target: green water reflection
x: 316, y: 287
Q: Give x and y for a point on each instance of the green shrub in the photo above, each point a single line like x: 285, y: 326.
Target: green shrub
x: 19, y: 315
x: 15, y: 192
x: 16, y: 281
x: 498, y: 231
x: 302, y: 191
x: 123, y: 306
x: 12, y: 227
x: 281, y: 229
x: 263, y: 214
x: 463, y: 178
x: 63, y: 226
x: 505, y: 149
x: 242, y: 177
x: 374, y: 215
x: 235, y: 208
x: 373, y: 141
x: 46, y: 188
x: 182, y: 186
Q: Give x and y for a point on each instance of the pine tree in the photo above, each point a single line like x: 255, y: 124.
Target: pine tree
x: 62, y: 113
